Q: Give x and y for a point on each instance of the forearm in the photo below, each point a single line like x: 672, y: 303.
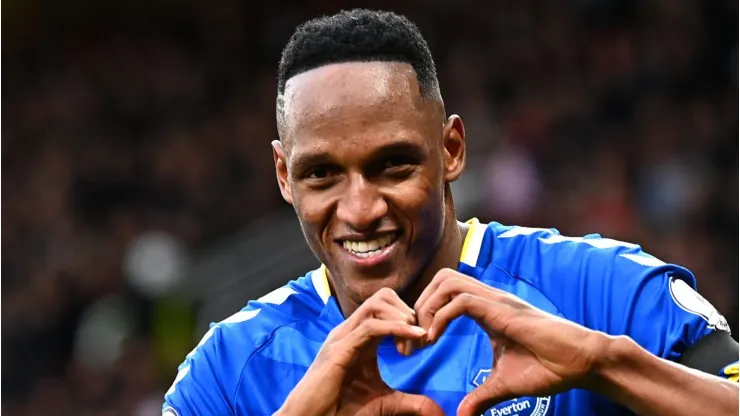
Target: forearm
x: 308, y: 398
x: 648, y: 385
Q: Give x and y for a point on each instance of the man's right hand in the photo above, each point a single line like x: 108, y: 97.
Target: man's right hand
x: 344, y: 379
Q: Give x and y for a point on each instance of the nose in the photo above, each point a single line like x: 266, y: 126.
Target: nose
x: 361, y: 207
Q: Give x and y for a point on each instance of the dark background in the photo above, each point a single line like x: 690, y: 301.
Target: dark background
x: 136, y: 137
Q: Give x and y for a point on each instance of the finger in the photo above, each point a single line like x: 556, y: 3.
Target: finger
x: 446, y: 291
x: 432, y: 287
x: 447, y: 274
x: 384, y: 304
x: 391, y: 297
x: 387, y: 305
x: 399, y: 403
x: 400, y: 346
x: 484, y: 397
x: 405, y: 346
x: 388, y: 312
x: 373, y: 329
x: 463, y: 304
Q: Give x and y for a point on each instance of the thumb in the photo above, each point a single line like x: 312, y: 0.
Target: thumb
x: 489, y: 394
x: 410, y: 404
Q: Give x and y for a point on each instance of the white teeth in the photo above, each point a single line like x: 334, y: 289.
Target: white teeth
x: 368, y: 248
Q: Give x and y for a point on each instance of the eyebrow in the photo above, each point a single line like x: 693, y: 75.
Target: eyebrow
x: 402, y: 147
x: 306, y: 160
x: 311, y: 159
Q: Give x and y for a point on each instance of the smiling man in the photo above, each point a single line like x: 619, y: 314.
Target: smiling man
x: 370, y: 187
x: 414, y: 312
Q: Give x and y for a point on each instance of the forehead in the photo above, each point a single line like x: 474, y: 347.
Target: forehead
x: 352, y: 101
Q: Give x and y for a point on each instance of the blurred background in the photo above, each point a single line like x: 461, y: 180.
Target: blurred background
x: 139, y: 199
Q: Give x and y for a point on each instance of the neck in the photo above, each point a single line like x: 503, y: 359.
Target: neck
x: 447, y: 256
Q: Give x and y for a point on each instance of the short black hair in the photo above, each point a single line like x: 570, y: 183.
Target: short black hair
x: 359, y: 35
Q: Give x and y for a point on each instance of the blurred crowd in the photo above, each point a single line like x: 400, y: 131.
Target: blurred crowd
x: 616, y: 117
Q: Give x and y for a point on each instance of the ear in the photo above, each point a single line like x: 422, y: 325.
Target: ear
x: 454, y: 148
x: 281, y: 170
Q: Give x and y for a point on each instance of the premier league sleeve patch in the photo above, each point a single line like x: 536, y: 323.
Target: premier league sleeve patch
x: 691, y: 301
x: 522, y: 406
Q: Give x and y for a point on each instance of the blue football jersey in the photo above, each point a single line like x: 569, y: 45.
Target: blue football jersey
x: 249, y: 363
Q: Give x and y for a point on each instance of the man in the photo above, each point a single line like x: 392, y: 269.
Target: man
x: 416, y: 313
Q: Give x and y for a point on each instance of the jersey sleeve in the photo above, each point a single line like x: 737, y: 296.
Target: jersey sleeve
x: 224, y: 374
x: 617, y: 288
x: 199, y: 387
x: 207, y: 380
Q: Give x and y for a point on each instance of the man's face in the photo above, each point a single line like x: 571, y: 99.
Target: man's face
x: 364, y: 161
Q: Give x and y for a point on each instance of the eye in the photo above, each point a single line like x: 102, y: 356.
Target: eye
x: 321, y: 172
x: 397, y: 161
x: 399, y: 167
x: 320, y: 176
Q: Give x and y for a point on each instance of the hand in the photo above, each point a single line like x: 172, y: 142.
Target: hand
x: 535, y: 353
x: 344, y: 379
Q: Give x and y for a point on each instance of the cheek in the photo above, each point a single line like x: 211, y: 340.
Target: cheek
x: 431, y: 215
x: 312, y: 211
x: 423, y: 204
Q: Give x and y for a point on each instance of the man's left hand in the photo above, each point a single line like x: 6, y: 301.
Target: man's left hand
x: 535, y: 353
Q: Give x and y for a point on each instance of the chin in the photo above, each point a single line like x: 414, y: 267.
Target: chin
x: 363, y: 288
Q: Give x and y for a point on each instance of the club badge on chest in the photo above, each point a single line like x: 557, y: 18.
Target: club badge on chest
x: 522, y: 406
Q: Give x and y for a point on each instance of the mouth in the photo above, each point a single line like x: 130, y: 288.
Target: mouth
x: 369, y: 252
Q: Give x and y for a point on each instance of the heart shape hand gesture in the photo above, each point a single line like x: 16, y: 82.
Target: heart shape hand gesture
x: 535, y: 353
x: 345, y: 379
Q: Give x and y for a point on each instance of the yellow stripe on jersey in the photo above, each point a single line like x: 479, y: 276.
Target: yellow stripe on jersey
x: 321, y: 283
x: 466, y: 244
x: 472, y: 244
x: 732, y: 372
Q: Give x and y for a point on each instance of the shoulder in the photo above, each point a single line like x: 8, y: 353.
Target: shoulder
x: 602, y: 283
x: 539, y: 254
x: 573, y: 271
x: 227, y: 347
x: 299, y: 300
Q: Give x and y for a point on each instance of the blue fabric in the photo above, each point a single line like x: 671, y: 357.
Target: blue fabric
x: 249, y: 363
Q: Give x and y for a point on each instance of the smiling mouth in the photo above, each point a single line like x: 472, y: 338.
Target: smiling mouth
x: 369, y: 248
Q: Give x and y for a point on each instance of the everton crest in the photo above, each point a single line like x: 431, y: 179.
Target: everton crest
x: 522, y: 406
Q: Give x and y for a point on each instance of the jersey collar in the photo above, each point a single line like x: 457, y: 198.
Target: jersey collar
x: 469, y: 255
x: 473, y: 242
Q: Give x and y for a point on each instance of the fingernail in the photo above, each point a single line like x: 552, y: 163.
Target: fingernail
x: 417, y: 330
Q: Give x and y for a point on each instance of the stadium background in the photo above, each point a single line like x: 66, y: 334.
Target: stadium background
x: 139, y: 200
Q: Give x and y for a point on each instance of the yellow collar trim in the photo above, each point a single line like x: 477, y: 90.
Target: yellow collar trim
x: 321, y: 283
x: 473, y: 241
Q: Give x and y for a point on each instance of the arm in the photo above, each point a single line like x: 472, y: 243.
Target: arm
x: 653, y: 310
x: 537, y: 354
x: 648, y: 385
